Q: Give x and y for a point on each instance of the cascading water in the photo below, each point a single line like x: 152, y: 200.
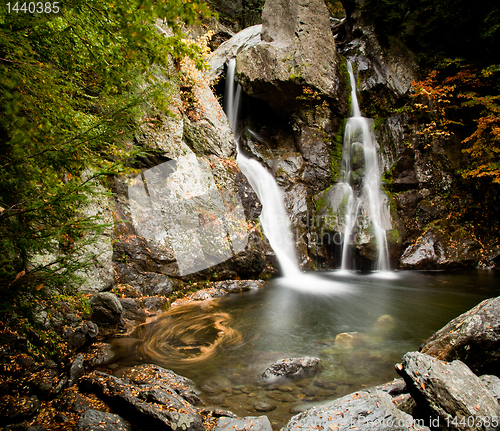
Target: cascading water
x: 274, y: 219
x: 359, y: 137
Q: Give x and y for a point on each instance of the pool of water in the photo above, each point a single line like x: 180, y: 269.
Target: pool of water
x: 359, y: 325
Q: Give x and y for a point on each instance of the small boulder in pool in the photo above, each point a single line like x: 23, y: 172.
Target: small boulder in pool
x: 292, y: 367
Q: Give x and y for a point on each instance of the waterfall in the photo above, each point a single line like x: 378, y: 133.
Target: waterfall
x: 274, y: 219
x: 359, y: 137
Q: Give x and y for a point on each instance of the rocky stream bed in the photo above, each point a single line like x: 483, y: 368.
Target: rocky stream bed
x: 450, y: 383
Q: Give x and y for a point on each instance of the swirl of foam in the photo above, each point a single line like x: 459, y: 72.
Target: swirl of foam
x: 185, y: 335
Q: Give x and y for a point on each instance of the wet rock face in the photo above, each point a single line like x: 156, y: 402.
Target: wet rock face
x: 332, y: 208
x: 473, y: 337
x: 426, y: 174
x: 387, y: 70
x: 451, y: 391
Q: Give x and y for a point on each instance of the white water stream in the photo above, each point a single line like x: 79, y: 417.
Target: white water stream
x: 358, y: 133
x: 273, y: 218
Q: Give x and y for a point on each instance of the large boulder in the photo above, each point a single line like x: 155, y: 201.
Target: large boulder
x: 443, y: 250
x: 106, y: 310
x: 185, y: 215
x: 297, y: 49
x: 189, y: 216
x: 153, y: 406
x: 374, y: 411
x: 452, y: 392
x: 164, y: 379
x: 473, y: 337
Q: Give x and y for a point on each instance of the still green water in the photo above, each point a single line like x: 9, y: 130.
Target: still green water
x: 360, y: 325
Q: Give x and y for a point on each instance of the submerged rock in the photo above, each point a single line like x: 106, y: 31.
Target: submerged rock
x: 451, y: 391
x: 349, y: 340
x: 292, y: 367
x: 264, y: 406
x: 473, y: 337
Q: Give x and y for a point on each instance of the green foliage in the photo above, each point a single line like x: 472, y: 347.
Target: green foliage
x: 71, y: 87
x: 255, y: 6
